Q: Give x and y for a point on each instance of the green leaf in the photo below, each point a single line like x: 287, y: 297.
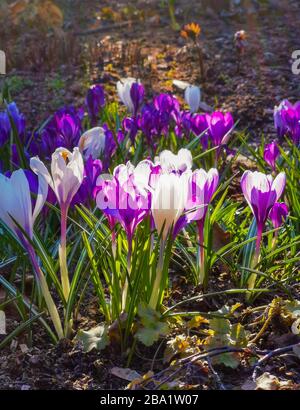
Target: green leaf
x: 94, y: 338
x: 152, y: 327
x: 220, y: 326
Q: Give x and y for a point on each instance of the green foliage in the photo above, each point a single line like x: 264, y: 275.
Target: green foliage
x: 152, y: 326
x: 94, y: 338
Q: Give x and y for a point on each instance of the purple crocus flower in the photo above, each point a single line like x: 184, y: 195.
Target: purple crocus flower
x: 110, y: 146
x: 95, y: 100
x: 137, y: 94
x: 166, y: 103
x: 287, y: 120
x: 5, y: 128
x: 199, y: 126
x: 261, y: 192
x: 92, y: 170
x: 17, y: 117
x: 219, y: 125
x: 278, y: 214
x: 125, y: 197
x: 130, y: 126
x: 63, y: 130
x: 271, y: 153
x: 68, y: 129
x: 201, y: 188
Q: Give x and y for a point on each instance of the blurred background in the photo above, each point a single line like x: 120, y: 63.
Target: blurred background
x: 55, y: 49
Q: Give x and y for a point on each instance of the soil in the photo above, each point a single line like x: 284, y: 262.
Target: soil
x: 134, y: 38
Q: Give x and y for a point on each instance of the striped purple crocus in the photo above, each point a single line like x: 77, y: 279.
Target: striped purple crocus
x: 261, y: 192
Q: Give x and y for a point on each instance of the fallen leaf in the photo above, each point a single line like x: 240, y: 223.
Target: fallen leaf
x: 125, y: 373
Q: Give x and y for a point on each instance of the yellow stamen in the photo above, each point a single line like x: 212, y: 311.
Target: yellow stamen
x: 65, y: 155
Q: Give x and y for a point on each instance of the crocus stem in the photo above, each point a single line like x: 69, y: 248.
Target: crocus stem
x: 253, y: 276
x: 159, y: 272
x: 114, y: 243
x: 274, y: 240
x: 201, y: 255
x: 126, y: 284
x: 63, y: 253
x: 47, y: 296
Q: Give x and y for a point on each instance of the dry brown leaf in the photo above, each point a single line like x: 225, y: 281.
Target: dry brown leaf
x: 125, y: 374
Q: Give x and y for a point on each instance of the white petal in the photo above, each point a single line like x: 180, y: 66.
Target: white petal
x: 279, y: 184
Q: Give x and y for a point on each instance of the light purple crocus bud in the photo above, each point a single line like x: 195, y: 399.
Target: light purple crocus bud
x: 278, y: 214
x: 261, y: 192
x: 192, y: 96
x: 271, y: 153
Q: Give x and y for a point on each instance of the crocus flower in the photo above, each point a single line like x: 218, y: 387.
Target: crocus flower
x: 168, y: 203
x: 271, y: 153
x: 131, y: 93
x: 170, y: 162
x: 287, y: 120
x: 192, y: 97
x: 137, y: 93
x: 278, y: 214
x: 68, y: 129
x: 16, y: 212
x: 261, y: 192
x: 169, y: 200
x: 166, y: 103
x: 92, y: 142
x: 201, y: 188
x: 110, y: 146
x: 125, y: 198
x: 219, y: 125
x: 65, y: 179
x: 5, y: 128
x: 95, y: 100
x: 63, y: 130
x: 130, y: 126
x: 17, y: 117
x: 16, y: 204
x: 85, y: 194
x: 66, y: 173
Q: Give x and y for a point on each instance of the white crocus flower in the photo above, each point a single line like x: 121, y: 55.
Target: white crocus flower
x: 15, y: 203
x: 66, y: 173
x: 192, y: 96
x: 123, y: 88
x: 92, y: 142
x: 170, y: 162
x: 16, y: 213
x: 169, y: 200
x: 65, y: 179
